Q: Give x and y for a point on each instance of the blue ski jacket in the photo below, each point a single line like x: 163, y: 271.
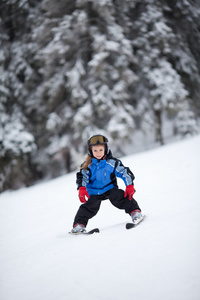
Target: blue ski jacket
x: 101, y: 175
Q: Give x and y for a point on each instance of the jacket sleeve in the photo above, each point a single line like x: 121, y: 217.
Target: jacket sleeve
x: 82, y: 178
x: 124, y: 173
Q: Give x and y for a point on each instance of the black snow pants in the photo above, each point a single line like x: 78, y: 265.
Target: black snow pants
x: 116, y: 196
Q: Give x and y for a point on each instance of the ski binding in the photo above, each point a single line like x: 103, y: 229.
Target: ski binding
x: 95, y: 230
x: 134, y: 223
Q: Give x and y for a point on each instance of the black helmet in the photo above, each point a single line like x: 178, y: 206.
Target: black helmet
x: 97, y: 140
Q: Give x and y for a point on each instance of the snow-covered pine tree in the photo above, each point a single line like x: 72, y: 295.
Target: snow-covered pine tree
x: 165, y: 93
x: 17, y: 142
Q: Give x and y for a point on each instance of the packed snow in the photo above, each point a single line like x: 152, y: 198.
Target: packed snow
x: 159, y: 259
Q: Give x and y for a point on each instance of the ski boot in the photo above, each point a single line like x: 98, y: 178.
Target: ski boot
x: 136, y: 214
x: 78, y: 228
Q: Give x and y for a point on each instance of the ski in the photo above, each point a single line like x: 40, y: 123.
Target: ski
x: 95, y: 230
x: 135, y: 223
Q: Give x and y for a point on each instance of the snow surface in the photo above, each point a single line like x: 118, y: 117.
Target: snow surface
x: 160, y: 259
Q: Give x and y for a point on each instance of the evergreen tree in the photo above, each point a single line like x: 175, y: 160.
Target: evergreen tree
x: 68, y: 69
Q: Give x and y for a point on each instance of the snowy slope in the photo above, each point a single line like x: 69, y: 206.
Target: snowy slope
x: 160, y: 259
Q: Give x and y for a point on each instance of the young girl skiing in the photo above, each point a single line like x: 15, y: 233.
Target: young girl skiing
x: 96, y: 181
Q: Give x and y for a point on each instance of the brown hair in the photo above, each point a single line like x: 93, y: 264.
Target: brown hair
x: 87, y: 162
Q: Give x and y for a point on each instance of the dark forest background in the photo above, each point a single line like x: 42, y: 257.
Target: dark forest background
x: 70, y: 69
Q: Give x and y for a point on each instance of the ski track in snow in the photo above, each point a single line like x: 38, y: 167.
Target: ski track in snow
x: 157, y: 260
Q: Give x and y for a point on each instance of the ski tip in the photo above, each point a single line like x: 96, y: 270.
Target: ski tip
x: 130, y: 225
x: 95, y: 230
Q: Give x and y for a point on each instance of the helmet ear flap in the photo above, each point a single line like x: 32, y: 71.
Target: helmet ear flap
x: 106, y: 149
x: 90, y: 151
x: 89, y: 148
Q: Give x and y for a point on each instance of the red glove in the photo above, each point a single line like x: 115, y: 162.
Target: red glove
x: 129, y: 191
x: 82, y: 194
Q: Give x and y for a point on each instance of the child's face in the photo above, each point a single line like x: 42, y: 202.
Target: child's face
x: 98, y: 151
